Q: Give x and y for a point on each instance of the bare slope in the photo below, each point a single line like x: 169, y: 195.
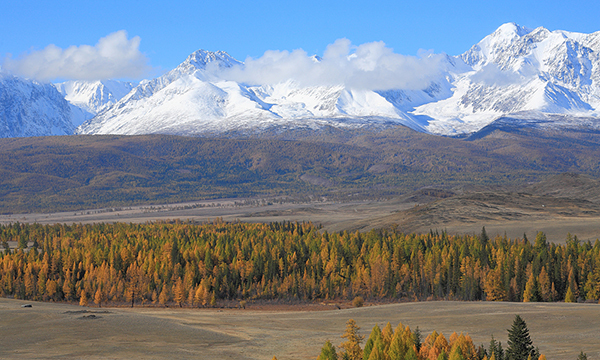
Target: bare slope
x: 558, y: 205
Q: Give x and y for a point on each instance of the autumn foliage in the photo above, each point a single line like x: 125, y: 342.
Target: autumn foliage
x: 185, y: 264
x: 403, y: 344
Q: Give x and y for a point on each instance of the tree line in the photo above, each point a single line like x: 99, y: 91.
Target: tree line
x: 200, y: 264
x: 403, y: 344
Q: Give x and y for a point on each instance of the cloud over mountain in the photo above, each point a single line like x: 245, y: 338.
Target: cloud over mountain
x: 114, y: 56
x: 370, y: 66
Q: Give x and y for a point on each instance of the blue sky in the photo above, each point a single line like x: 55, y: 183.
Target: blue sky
x: 169, y: 31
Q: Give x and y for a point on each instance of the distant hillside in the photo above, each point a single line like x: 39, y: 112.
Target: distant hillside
x: 76, y: 172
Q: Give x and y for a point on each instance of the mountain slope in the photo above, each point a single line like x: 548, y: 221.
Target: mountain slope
x: 519, y: 71
x: 88, y: 98
x: 29, y: 108
x: 78, y: 172
x: 188, y: 100
x: 513, y: 71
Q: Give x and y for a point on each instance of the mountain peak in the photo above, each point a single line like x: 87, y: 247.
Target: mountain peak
x: 511, y: 30
x: 201, y: 58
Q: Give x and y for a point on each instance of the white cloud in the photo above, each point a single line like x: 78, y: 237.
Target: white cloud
x: 370, y: 66
x: 114, y: 56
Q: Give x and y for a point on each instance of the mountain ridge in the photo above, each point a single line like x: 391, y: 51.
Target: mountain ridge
x: 515, y: 71
x: 525, y: 74
x: 31, y: 108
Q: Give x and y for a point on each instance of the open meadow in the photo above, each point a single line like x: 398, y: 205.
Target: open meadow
x: 59, y: 331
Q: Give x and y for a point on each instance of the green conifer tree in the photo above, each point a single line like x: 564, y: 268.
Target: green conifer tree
x: 495, y: 349
x: 411, y: 354
x: 456, y: 353
x: 569, y: 296
x: 520, y: 346
x: 375, y: 335
x: 417, y: 338
x: 328, y: 352
x: 398, y: 347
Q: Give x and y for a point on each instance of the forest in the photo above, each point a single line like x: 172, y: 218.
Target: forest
x: 196, y: 265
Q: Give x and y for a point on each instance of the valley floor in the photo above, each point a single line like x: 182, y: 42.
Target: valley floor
x: 50, y: 330
x: 507, y: 213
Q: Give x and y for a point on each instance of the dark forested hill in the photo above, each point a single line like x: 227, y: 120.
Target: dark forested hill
x: 75, y: 172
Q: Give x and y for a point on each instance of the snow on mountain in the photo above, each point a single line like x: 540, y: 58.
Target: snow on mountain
x: 30, y: 108
x: 519, y: 70
x: 516, y: 71
x: 189, y: 100
x: 88, y: 98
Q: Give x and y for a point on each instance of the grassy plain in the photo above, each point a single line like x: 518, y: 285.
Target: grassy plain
x: 558, y: 205
x: 61, y: 331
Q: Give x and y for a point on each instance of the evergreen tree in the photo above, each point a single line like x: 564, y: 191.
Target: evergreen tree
x: 375, y: 335
x: 387, y: 334
x: 520, y: 346
x: 411, y: 354
x: 378, y: 352
x: 495, y: 349
x: 456, y: 354
x: 500, y: 355
x: 417, y: 338
x: 398, y: 347
x: 483, y: 237
x: 352, y: 349
x: 328, y: 352
x: 442, y: 356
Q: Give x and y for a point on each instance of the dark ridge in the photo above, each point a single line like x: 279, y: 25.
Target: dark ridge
x: 66, y: 173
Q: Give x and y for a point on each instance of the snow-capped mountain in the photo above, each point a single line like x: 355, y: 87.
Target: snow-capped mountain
x: 188, y: 100
x: 540, y: 77
x: 29, y: 108
x: 523, y: 72
x: 88, y: 98
x: 514, y: 70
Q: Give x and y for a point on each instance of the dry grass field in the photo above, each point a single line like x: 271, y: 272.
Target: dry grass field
x: 562, y: 204
x: 62, y: 331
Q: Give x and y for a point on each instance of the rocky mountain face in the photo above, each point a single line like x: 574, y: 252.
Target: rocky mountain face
x: 188, y: 100
x: 29, y: 108
x: 88, y: 98
x: 527, y: 74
